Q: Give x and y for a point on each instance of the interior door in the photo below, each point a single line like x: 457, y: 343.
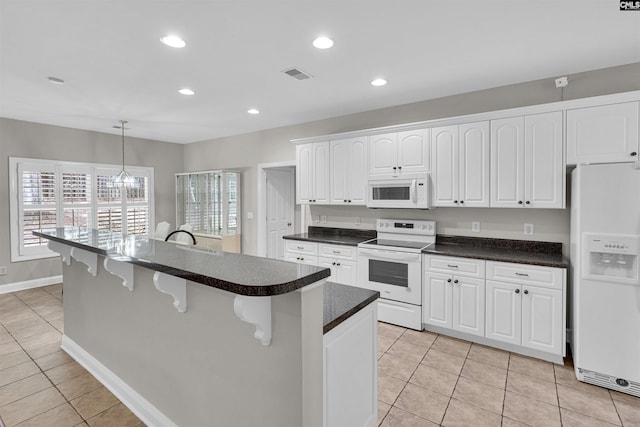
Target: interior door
x: 280, y: 205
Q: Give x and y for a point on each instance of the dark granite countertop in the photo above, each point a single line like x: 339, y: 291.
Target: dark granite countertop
x: 548, y: 254
x: 342, y: 301
x: 334, y: 236
x: 240, y: 274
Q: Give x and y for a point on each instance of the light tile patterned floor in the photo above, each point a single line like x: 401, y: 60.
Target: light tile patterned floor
x: 40, y: 385
x: 423, y: 380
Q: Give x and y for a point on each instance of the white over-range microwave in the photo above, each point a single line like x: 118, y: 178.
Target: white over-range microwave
x: 401, y: 191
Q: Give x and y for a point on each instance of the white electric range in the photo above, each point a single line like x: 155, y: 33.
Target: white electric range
x: 392, y: 265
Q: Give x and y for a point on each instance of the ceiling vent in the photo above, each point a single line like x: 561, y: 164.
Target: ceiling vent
x: 297, y: 74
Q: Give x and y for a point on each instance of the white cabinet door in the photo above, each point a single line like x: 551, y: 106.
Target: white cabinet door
x: 321, y: 172
x: 346, y: 272
x: 330, y: 264
x: 504, y: 312
x: 507, y: 162
x: 357, y: 172
x: 339, y: 170
x: 474, y: 165
x: 436, y: 300
x: 413, y: 151
x: 304, y: 173
x: 468, y: 305
x: 348, y: 172
x: 603, y: 134
x: 383, y: 154
x: 312, y: 173
x: 444, y: 170
x: 542, y: 319
x: 544, y: 170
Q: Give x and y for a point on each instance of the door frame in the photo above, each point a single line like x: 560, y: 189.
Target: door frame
x: 262, y: 202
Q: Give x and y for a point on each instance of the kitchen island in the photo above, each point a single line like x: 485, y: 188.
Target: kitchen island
x: 193, y: 337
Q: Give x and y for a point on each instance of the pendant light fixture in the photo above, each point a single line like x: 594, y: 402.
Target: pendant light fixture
x: 124, y: 179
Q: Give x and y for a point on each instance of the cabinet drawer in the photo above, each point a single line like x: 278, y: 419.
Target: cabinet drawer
x: 337, y: 251
x: 453, y: 265
x: 301, y: 247
x: 301, y: 258
x: 547, y: 277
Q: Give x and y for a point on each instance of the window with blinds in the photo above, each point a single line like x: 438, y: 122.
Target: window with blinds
x: 209, y: 202
x: 48, y: 194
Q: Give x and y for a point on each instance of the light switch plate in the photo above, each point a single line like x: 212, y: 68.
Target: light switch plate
x: 3, y: 270
x: 323, y: 219
x: 528, y: 229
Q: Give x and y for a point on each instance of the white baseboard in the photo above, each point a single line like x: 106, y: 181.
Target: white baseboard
x: 28, y: 284
x: 140, y: 406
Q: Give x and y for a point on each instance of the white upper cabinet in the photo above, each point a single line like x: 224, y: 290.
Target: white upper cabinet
x: 383, y: 154
x: 312, y: 173
x: 603, y: 134
x: 460, y: 165
x: 348, y: 171
x: 398, y: 153
x: 544, y: 169
x: 413, y: 151
x: 507, y: 162
x: 527, y: 163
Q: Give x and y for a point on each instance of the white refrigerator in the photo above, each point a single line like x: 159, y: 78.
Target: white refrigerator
x: 605, y: 292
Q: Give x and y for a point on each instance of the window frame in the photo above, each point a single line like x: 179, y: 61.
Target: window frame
x: 17, y: 207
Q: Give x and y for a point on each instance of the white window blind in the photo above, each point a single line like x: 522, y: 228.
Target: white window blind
x: 49, y: 194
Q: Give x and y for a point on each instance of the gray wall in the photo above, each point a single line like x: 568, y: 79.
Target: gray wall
x: 34, y: 140
x: 246, y: 151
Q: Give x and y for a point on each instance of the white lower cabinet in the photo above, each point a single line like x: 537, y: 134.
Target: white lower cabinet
x: 340, y: 259
x: 519, y: 313
x: 453, y: 300
x: 301, y: 252
x: 522, y: 306
x: 351, y: 371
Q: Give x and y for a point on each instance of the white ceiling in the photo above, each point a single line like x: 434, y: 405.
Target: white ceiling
x: 109, y: 54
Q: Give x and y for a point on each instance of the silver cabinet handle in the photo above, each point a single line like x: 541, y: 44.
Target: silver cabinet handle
x: 336, y: 252
x: 452, y: 266
x: 522, y: 274
x: 300, y: 247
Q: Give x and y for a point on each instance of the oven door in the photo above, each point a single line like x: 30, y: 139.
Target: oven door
x: 396, y: 275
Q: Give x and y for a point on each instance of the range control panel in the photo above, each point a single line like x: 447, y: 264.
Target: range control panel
x: 403, y: 226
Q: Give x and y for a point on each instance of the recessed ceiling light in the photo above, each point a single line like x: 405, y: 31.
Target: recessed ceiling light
x: 186, y: 91
x: 323, y: 42
x: 173, y: 41
x: 55, y: 80
x: 378, y: 82
x: 253, y: 111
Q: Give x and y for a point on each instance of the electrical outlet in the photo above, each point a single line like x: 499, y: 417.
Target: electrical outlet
x: 249, y: 215
x: 323, y: 219
x: 316, y: 218
x: 3, y: 270
x: 475, y: 227
x: 358, y: 220
x: 528, y: 229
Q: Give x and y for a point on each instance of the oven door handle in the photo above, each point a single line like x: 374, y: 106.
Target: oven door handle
x: 379, y: 254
